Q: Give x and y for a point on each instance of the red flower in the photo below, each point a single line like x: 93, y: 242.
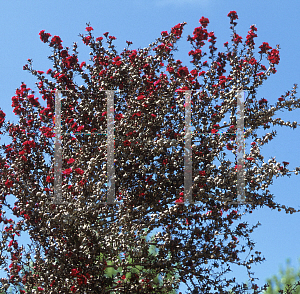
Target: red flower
x: 44, y: 36
x: 141, y: 97
x: 127, y: 143
x: 237, y: 39
x: 154, y: 115
x: 119, y: 116
x: 194, y: 72
x: 71, y: 160
x: 164, y: 33
x: 56, y: 40
x: 99, y: 39
x: 264, y: 47
x: 233, y: 15
x: 88, y: 29
x: 67, y: 171
x: 79, y: 171
x: 86, y: 40
x: 183, y: 71
x: 48, y: 179
x: 8, y: 183
x: 274, y: 56
x: 177, y: 30
x: 204, y: 21
x: 202, y: 173
x: 180, y: 200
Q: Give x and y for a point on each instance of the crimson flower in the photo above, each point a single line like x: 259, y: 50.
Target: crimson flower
x: 127, y: 143
x: 204, y: 21
x: 44, y: 36
x: 56, y: 40
x: 264, y: 47
x: 177, y: 30
x: 119, y: 116
x: 274, y: 56
x: 88, y: 29
x: 79, y: 171
x: 180, y: 200
x: 237, y: 39
x: 86, y: 40
x: 67, y: 171
x: 71, y: 160
x: 183, y: 71
x: 233, y: 15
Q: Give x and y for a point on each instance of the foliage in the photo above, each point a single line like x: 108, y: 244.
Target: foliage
x: 287, y: 281
x: 196, y: 243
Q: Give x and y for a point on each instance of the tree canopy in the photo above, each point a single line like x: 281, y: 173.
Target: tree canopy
x: 78, y: 241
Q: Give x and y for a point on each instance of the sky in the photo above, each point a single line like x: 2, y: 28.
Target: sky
x: 142, y: 21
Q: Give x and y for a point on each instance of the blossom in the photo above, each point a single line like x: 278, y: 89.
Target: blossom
x: 180, y: 200
x: 126, y: 143
x: 204, y: 21
x: 2, y: 117
x: 237, y: 39
x: 88, y: 29
x: 86, y: 40
x: 44, y: 36
x: 194, y: 72
x: 264, y: 47
x: 183, y: 71
x: 274, y: 56
x: 79, y: 171
x: 67, y: 171
x: 177, y: 30
x: 233, y: 15
x: 119, y: 116
x: 56, y: 40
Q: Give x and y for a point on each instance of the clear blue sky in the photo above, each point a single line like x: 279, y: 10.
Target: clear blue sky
x: 141, y: 21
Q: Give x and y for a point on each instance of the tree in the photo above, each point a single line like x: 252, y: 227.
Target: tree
x: 73, y: 240
x: 287, y: 281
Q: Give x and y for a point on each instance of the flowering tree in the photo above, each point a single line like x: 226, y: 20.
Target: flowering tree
x: 77, y: 241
